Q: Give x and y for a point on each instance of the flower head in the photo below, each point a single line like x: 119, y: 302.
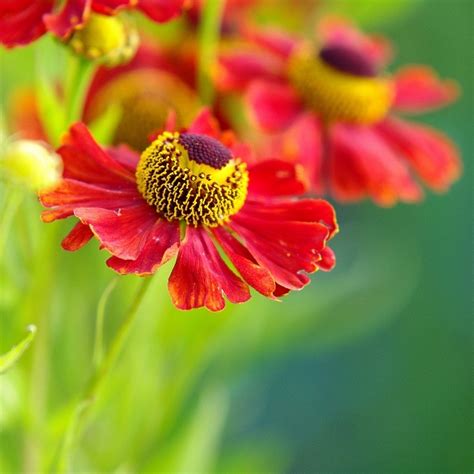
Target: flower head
x: 30, y: 163
x: 187, y: 194
x: 90, y: 26
x: 334, y: 93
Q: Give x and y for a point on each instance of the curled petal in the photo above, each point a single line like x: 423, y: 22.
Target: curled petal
x: 362, y: 164
x: 335, y: 30
x: 328, y: 259
x: 254, y: 274
x: 418, y: 88
x: 122, y: 232
x: 86, y: 161
x: 77, y: 238
x: 273, y: 106
x: 273, y: 177
x: 287, y: 248
x: 74, y: 13
x: 21, y: 21
x: 160, y: 246
x: 201, y: 278
x: 432, y: 154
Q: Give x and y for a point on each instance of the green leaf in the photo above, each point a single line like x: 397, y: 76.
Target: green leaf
x: 9, y: 359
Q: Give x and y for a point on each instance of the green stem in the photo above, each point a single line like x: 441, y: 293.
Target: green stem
x: 209, y: 32
x: 98, y: 352
x: 77, y: 83
x: 82, y: 409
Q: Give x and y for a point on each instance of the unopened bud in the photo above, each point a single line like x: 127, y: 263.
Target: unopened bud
x: 30, y: 163
x: 106, y: 39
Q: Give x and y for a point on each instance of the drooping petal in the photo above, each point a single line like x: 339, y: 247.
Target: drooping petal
x: 77, y: 238
x: 419, y: 88
x: 273, y: 177
x: 287, y: 248
x: 434, y: 157
x: 237, y: 69
x: 71, y: 194
x: 334, y: 30
x: 254, y: 274
x: 273, y: 106
x: 363, y: 165
x: 73, y: 13
x: 85, y: 160
x: 161, y: 245
x: 123, y: 232
x: 21, y: 21
x: 201, y: 278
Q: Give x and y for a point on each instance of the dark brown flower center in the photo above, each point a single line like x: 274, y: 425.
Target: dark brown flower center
x: 205, y: 150
x: 347, y: 60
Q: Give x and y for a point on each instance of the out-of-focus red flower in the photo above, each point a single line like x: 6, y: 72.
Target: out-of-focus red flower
x: 189, y: 192
x: 23, y: 21
x: 156, y: 81
x: 339, y: 112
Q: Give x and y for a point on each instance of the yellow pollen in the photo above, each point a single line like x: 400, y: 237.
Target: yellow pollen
x: 181, y: 188
x: 104, y: 38
x: 339, y: 96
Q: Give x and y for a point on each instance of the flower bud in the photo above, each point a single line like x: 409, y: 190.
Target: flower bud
x: 106, y: 39
x: 30, y: 163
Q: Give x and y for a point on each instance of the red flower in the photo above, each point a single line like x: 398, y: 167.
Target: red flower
x: 338, y: 112
x: 187, y: 193
x: 23, y: 21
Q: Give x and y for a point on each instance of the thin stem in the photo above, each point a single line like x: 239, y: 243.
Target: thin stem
x: 209, y: 32
x: 98, y: 352
x: 82, y: 409
x: 77, y: 83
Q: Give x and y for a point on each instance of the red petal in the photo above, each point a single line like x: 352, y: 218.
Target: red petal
x: 77, y: 238
x: 122, y: 232
x: 109, y: 7
x: 339, y: 31
x: 161, y: 10
x: 302, y: 144
x: 161, y: 245
x: 432, y: 154
x: 86, y: 161
x: 205, y: 123
x: 273, y: 106
x: 238, y: 69
x: 71, y: 194
x: 200, y: 276
x: 72, y: 14
x: 254, y: 274
x: 286, y: 247
x: 362, y: 164
x: 418, y: 88
x: 21, y: 21
x: 328, y: 260
x: 124, y: 155
x: 277, y: 41
x: 276, y: 178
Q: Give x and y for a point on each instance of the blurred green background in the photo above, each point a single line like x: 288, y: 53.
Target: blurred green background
x: 367, y: 370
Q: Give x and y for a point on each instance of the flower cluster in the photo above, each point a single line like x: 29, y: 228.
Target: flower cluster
x: 176, y: 182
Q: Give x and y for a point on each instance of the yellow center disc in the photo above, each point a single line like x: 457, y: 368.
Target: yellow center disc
x: 192, y: 178
x: 338, y: 96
